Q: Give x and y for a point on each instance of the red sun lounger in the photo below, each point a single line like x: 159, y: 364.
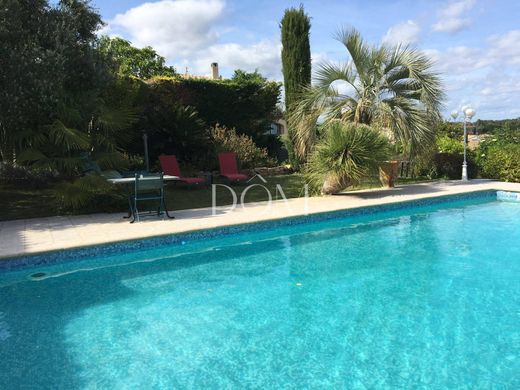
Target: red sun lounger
x: 170, y: 166
x: 229, y: 168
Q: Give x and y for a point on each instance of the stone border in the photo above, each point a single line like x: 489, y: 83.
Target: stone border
x: 65, y: 255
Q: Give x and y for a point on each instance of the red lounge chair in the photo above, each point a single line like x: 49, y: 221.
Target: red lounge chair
x: 229, y: 168
x: 170, y: 166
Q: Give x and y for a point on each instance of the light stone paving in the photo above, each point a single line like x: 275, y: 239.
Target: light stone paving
x: 45, y: 234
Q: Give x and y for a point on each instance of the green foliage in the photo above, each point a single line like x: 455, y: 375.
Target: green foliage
x: 249, y: 155
x: 241, y: 77
x: 496, y: 126
x: 449, y: 129
x: 23, y: 176
x: 61, y: 109
x: 449, y: 166
x: 296, y: 53
x: 445, y: 144
x: 501, y: 162
x: 345, y: 154
x: 499, y: 157
x: 296, y: 63
x: 74, y: 139
x: 88, y: 193
x: 390, y: 87
x: 32, y: 71
x: 127, y: 60
x: 175, y: 129
x: 248, y: 106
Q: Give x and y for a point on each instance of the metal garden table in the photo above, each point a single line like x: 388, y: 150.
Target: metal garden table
x: 130, y: 181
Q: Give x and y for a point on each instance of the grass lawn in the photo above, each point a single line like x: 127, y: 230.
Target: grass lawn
x: 22, y: 203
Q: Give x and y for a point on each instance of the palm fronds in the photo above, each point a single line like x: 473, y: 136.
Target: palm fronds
x: 346, y: 153
x: 390, y: 87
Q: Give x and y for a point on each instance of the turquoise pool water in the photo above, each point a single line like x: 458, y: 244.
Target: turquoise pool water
x: 404, y: 299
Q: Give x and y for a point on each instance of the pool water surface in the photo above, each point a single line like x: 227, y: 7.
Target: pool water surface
x: 426, y: 297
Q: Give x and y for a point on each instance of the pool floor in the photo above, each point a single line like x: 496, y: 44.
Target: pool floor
x: 414, y: 299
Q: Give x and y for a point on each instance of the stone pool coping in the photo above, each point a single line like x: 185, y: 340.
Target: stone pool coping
x: 42, y: 235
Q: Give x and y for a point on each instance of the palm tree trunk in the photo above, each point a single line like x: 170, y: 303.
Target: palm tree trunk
x: 333, y: 185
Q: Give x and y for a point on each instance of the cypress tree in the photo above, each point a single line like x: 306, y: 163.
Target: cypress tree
x: 296, y: 61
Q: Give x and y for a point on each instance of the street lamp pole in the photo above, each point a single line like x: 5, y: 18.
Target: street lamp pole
x: 468, y: 114
x: 465, y: 163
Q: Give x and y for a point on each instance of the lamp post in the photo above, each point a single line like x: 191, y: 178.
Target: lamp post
x: 468, y: 113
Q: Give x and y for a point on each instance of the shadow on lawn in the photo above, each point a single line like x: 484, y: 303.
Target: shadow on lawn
x: 424, y: 188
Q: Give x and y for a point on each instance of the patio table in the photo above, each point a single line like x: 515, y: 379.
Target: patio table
x: 131, y: 180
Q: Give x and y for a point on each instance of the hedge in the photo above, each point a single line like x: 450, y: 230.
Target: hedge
x: 249, y: 107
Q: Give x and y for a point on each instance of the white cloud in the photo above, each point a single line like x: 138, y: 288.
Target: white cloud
x: 172, y: 27
x: 485, y: 76
x: 504, y: 87
x: 459, y: 60
x: 264, y: 56
x: 506, y: 47
x: 453, y: 18
x: 502, y: 50
x: 403, y: 33
x: 188, y: 34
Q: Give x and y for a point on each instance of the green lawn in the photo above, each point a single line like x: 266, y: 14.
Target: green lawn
x: 22, y: 203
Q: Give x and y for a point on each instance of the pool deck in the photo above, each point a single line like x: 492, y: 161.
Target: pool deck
x: 29, y: 236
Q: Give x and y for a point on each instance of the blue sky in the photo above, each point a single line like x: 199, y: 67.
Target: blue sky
x: 475, y: 43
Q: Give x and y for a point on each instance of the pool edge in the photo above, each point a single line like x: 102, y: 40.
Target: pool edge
x: 23, y: 260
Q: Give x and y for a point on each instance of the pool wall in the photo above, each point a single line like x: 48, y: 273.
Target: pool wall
x: 12, y: 263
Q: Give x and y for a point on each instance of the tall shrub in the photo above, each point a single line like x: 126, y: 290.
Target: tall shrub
x: 246, y: 105
x: 296, y: 60
x: 249, y: 155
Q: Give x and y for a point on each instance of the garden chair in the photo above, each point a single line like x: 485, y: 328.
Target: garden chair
x: 149, y: 188
x: 229, y: 167
x: 170, y: 166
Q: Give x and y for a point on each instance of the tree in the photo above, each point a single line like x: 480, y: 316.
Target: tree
x: 143, y: 63
x: 389, y: 87
x: 55, y: 94
x: 241, y: 76
x: 296, y: 60
x: 346, y: 153
x: 27, y: 57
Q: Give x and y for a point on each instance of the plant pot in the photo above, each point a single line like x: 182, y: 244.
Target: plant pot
x: 388, y: 173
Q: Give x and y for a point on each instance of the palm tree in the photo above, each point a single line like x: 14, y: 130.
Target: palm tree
x: 346, y: 153
x: 389, y: 87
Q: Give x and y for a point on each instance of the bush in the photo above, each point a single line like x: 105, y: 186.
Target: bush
x: 499, y: 157
x: 449, y: 145
x: 449, y: 166
x: 249, y: 155
x: 245, y: 105
x: 344, y: 155
x: 500, y: 161
x: 90, y: 193
x: 445, y: 161
x: 25, y: 176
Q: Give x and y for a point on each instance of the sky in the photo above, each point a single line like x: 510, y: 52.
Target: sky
x: 475, y: 44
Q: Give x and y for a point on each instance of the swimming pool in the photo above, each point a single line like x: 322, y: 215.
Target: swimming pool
x: 424, y: 295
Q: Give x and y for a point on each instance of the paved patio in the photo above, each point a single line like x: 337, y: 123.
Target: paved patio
x: 44, y: 234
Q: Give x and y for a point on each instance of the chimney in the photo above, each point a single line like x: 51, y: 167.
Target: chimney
x: 214, y: 71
